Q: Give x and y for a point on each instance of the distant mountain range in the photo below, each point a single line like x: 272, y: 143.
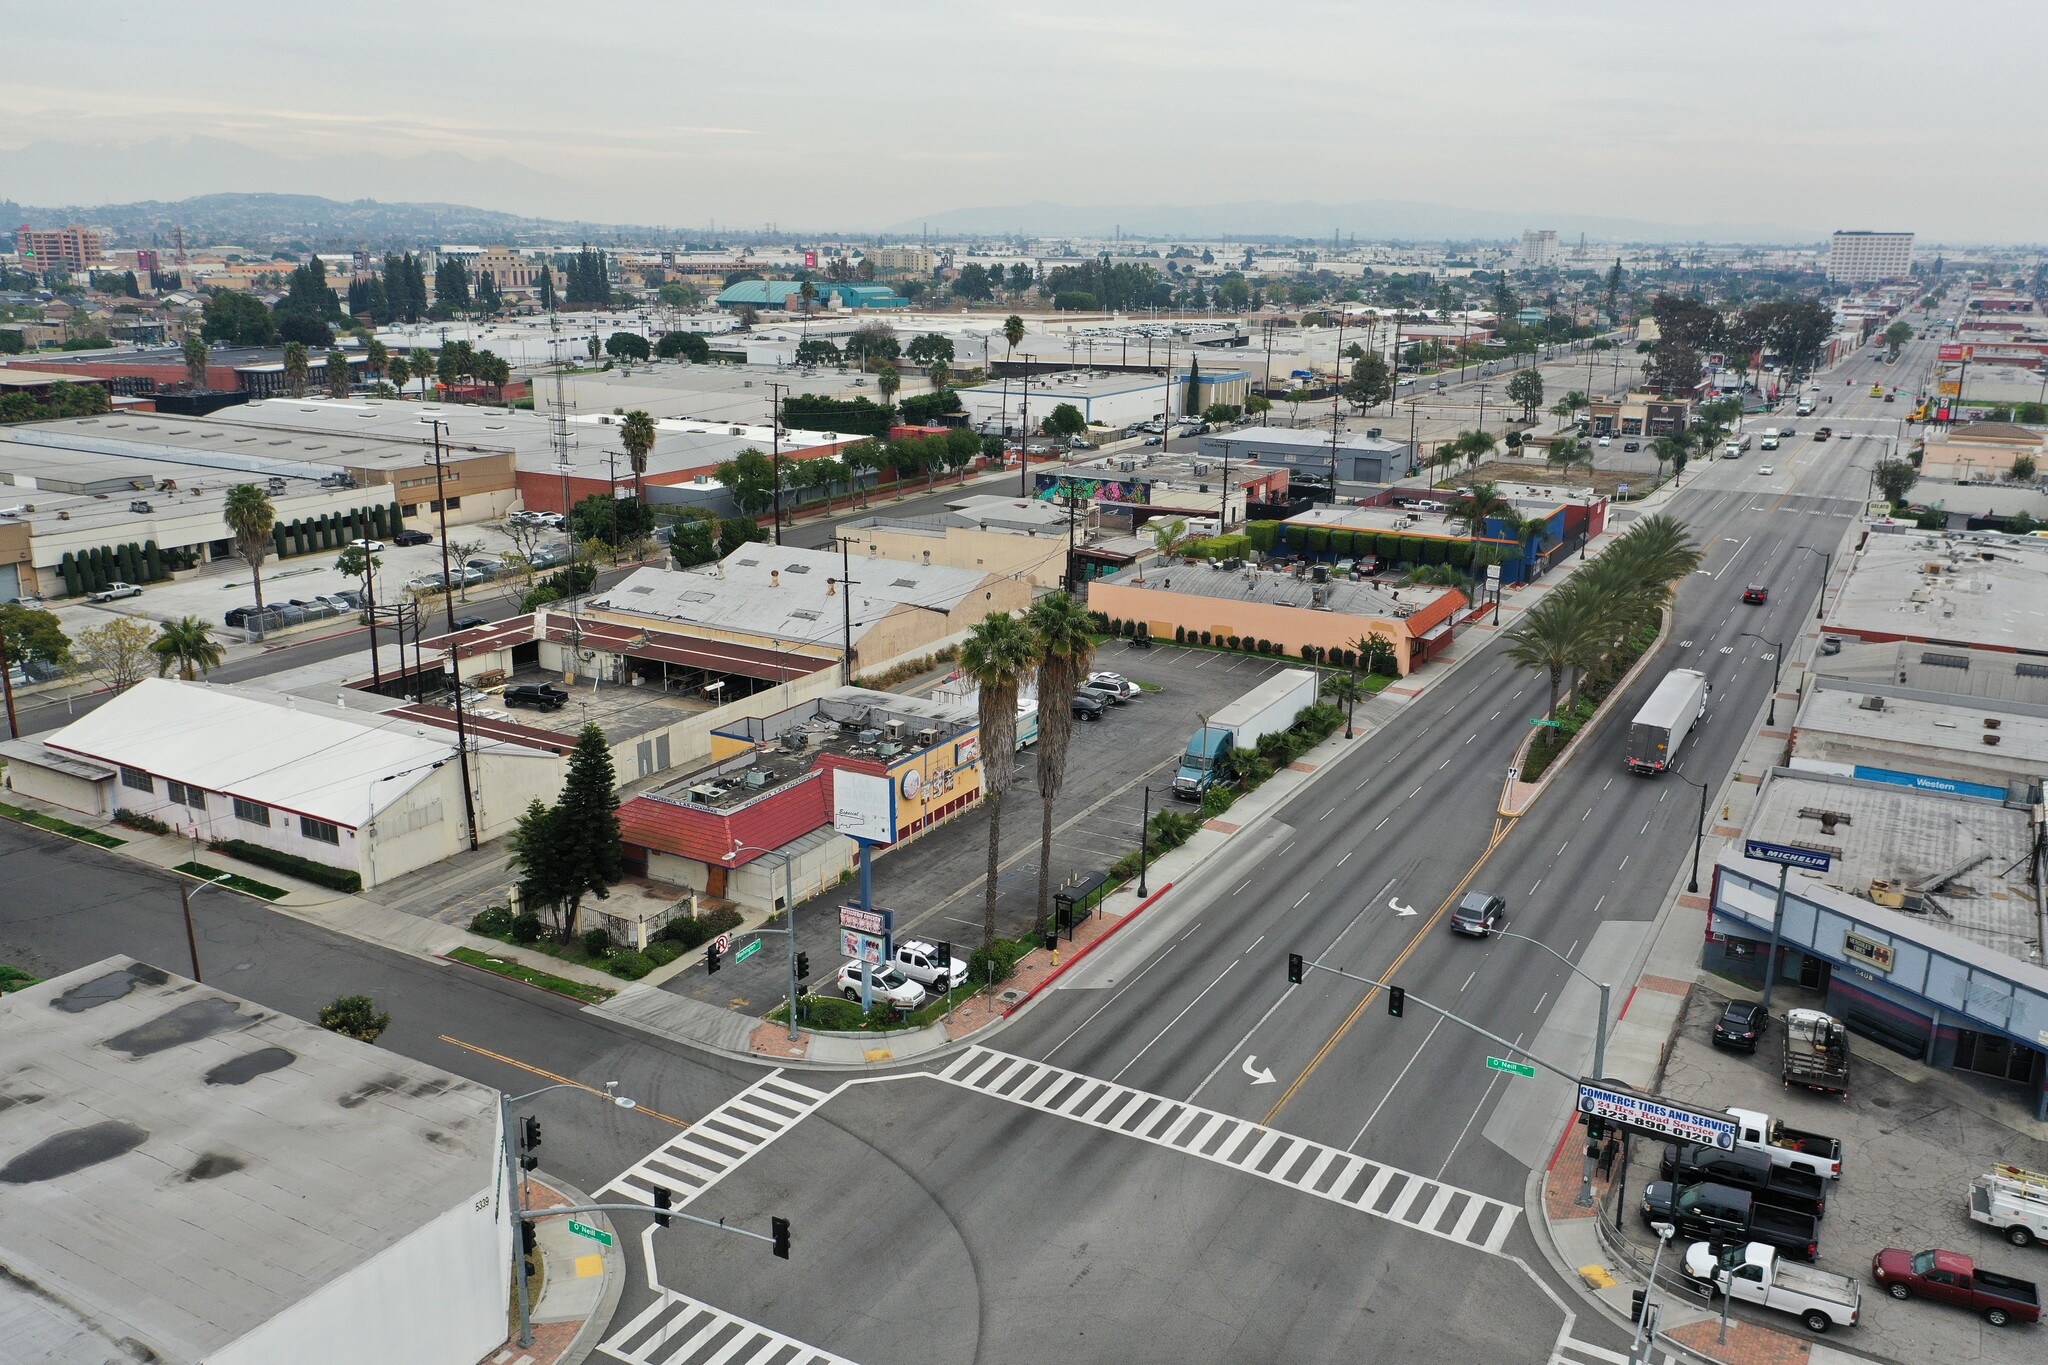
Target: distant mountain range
x: 1369, y: 220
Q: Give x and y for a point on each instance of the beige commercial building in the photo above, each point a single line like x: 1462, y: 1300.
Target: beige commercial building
x: 903, y: 260
x: 1016, y: 537
x: 1979, y: 452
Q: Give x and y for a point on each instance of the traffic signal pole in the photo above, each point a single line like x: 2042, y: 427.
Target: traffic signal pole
x: 1393, y: 991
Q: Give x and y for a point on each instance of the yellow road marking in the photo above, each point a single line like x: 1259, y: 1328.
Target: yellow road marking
x: 559, y: 1080
x: 1500, y: 833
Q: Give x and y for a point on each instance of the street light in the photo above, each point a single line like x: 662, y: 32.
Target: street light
x: 185, y: 893
x: 1600, y: 1031
x: 517, y: 1178
x: 1144, y: 841
x: 1827, y: 566
x: 789, y: 923
x: 1777, y: 658
x: 1699, y: 835
x: 1645, y: 1335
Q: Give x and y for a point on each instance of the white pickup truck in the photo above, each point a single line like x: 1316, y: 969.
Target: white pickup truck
x: 1792, y: 1147
x: 1757, y: 1274
x: 2014, y: 1201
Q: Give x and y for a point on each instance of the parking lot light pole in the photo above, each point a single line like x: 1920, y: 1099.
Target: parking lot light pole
x: 788, y: 928
x: 1777, y: 658
x: 1827, y: 567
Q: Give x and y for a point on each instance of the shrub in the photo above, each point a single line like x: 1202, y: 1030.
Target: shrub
x: 1265, y: 646
x: 135, y: 819
x: 831, y: 1013
x: 354, y: 1016
x: 721, y: 919
x: 494, y: 922
x: 1180, y: 635
x: 291, y: 864
x: 1205, y: 637
x: 597, y: 943
x: 527, y: 928
x: 631, y: 966
x: 660, y: 953
x: 1215, y: 801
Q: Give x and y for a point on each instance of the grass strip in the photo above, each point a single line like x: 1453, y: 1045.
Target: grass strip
x: 14, y: 978
x: 234, y: 881
x: 57, y: 826
x: 590, y: 995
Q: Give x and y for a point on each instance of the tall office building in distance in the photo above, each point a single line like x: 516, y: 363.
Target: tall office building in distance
x: 1867, y: 257
x: 71, y: 248
x: 1539, y: 250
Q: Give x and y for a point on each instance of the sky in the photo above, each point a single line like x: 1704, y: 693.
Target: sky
x: 857, y: 115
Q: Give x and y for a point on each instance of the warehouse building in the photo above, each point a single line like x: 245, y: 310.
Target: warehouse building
x: 1361, y: 457
x: 200, y: 1179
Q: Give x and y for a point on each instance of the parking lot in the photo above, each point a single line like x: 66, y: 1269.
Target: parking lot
x: 934, y: 884
x: 1913, y: 1138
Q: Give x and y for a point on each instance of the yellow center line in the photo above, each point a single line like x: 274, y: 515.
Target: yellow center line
x: 1500, y: 833
x: 559, y: 1080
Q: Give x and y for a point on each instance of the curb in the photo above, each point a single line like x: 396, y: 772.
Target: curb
x: 1088, y: 948
x: 1573, y: 749
x: 600, y: 1321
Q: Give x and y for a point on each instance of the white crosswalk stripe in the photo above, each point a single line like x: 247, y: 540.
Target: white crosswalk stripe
x: 678, y: 1330
x: 1415, y: 1201
x: 697, y: 1158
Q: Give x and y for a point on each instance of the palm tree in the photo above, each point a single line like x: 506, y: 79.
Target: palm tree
x: 187, y: 645
x: 336, y: 374
x: 1556, y: 634
x: 250, y: 517
x: 1668, y: 448
x: 376, y: 358
x: 1064, y: 631
x: 1568, y: 453
x: 398, y: 372
x: 1013, y: 331
x: 636, y: 434
x: 423, y: 367
x: 808, y: 292
x: 295, y: 368
x: 997, y: 653
x: 1484, y: 502
x: 195, y: 362
x: 887, y: 381
x: 1166, y: 533
x: 941, y: 374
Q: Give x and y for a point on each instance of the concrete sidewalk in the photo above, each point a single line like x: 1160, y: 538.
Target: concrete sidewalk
x: 582, y: 1280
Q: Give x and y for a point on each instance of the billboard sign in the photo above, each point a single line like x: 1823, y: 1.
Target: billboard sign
x: 1810, y: 859
x: 1648, y: 1114
x: 867, y: 935
x: 864, y: 806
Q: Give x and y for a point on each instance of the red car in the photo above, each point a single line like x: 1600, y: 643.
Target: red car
x: 1756, y: 592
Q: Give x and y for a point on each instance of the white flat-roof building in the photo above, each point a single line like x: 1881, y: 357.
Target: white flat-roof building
x: 200, y: 1179
x: 1974, y: 589
x: 1865, y: 257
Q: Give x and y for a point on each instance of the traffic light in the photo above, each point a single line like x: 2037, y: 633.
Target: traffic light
x: 943, y: 951
x: 803, y: 966
x: 778, y: 1229
x: 1294, y: 968
x: 1596, y: 1128
x: 711, y: 956
x: 1635, y: 1305
x: 529, y: 1138
x: 662, y: 1200
x: 1397, y: 1000
x: 529, y: 1237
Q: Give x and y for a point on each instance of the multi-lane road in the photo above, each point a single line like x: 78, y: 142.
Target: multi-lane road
x: 1115, y: 1177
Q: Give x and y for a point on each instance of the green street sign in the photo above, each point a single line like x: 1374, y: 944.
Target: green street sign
x: 743, y: 954
x: 1513, y: 1068
x: 1553, y: 724
x: 585, y: 1230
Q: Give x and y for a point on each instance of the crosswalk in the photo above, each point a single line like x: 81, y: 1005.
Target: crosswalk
x: 1571, y: 1351
x: 1414, y: 1201
x: 678, y: 1330
x: 697, y: 1158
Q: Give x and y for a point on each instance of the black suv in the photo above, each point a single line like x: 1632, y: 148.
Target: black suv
x: 1740, y: 1025
x: 410, y: 537
x: 544, y: 696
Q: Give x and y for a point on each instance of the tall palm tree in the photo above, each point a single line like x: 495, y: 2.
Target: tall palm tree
x: 187, y: 645
x: 376, y: 358
x: 1568, y: 453
x: 1668, y: 449
x: 335, y: 372
x: 888, y: 381
x: 1013, y: 331
x: 250, y: 517
x: 636, y: 434
x: 997, y: 653
x: 295, y: 368
x: 398, y: 372
x: 1484, y: 502
x: 1066, y: 647
x: 423, y: 367
x: 1555, y: 635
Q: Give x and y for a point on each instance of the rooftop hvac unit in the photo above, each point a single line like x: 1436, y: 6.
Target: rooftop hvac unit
x: 793, y: 740
x: 1872, y: 703
x: 869, y: 737
x: 1322, y: 573
x: 929, y: 737
x: 893, y: 729
x: 707, y: 793
x: 1201, y: 468
x: 757, y: 777
x: 888, y: 750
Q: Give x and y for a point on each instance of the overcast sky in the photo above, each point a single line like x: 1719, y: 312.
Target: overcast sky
x: 858, y: 114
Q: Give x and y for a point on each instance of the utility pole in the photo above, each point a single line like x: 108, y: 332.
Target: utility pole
x: 462, y: 745
x: 441, y: 504
x: 775, y: 460
x: 7, y: 688
x: 846, y: 609
x: 1336, y: 407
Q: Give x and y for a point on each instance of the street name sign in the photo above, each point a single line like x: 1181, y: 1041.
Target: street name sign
x: 1663, y: 1118
x: 743, y: 954
x: 585, y: 1230
x: 1512, y: 1068
x: 1811, y: 859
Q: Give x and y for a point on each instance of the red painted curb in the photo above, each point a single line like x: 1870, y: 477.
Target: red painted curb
x: 1086, y: 949
x: 1562, y: 1139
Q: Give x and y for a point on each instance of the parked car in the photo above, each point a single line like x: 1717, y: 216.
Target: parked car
x: 375, y: 547
x: 470, y: 622
x: 918, y: 959
x: 27, y: 603
x: 540, y: 696
x: 1756, y: 594
x: 1631, y: 446
x: 1951, y: 1277
x: 114, y: 592
x: 886, y: 981
x: 1109, y: 698
x: 353, y: 597
x: 1753, y: 1271
x: 1479, y: 913
x: 487, y: 567
x: 1741, y: 1025
x: 469, y: 576
x: 1088, y: 706
x: 1723, y: 1213
x: 1606, y: 440
x: 411, y: 537
x: 1114, y: 683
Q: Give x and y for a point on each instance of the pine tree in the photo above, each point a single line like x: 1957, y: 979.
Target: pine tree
x: 572, y: 850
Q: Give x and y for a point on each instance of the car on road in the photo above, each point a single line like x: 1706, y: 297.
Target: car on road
x: 411, y: 537
x: 539, y: 695
x: 114, y: 592
x: 1891, y: 398
x: 887, y: 982
x: 1479, y: 913
x: 1088, y: 706
x: 1756, y: 594
x: 918, y: 959
x: 1823, y: 433
x: 1766, y: 469
x: 375, y: 547
x: 1152, y: 440
x: 1787, y: 433
x: 470, y: 622
x: 1114, y: 683
x: 1630, y: 447
x: 1740, y: 1025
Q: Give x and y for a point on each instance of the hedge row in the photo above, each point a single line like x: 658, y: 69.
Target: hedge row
x: 1339, y: 543
x: 92, y: 570
x: 291, y: 864
x: 333, y: 530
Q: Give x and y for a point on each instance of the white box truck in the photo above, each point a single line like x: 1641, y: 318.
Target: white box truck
x: 1666, y: 719
x: 1266, y: 709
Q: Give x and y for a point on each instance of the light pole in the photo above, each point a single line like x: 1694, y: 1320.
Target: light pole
x: 1827, y: 566
x: 789, y: 916
x: 1645, y: 1334
x: 515, y: 1168
x: 1777, y: 658
x: 1692, y: 887
x: 1144, y: 842
x: 185, y: 893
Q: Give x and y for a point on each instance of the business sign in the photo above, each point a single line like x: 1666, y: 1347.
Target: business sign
x: 877, y: 922
x: 1877, y: 956
x: 1811, y: 859
x: 967, y: 751
x: 864, y: 806
x: 810, y: 260
x: 1648, y: 1114
x: 1956, y: 352
x: 1923, y: 782
x: 861, y: 947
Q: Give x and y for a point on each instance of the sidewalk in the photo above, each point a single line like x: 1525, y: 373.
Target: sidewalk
x: 581, y: 1281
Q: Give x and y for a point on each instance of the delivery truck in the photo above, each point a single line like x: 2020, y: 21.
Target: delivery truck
x: 1665, y: 720
x: 1210, y: 756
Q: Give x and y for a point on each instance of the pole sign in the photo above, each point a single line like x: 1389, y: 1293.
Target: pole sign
x: 1648, y: 1114
x: 747, y: 951
x: 1811, y: 859
x: 867, y: 935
